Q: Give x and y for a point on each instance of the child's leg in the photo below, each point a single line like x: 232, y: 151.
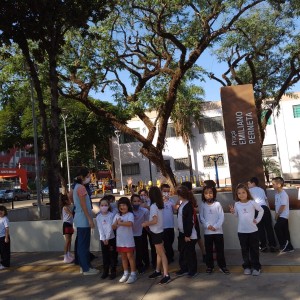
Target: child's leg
x: 279, y: 230
x: 5, y: 252
x: 254, y: 250
x: 67, y: 243
x: 162, y: 259
x: 190, y: 256
x: 124, y: 261
x: 130, y: 257
x: 181, y: 245
x: 138, y: 252
x: 209, y: 245
x: 168, y: 238
x: 219, y: 245
x: 244, y: 242
x: 112, y: 255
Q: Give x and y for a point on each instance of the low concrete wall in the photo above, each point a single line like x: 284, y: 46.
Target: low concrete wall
x: 29, y: 213
x: 40, y: 236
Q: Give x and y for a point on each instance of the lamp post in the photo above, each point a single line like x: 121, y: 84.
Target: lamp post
x: 215, y: 158
x: 118, y: 133
x: 64, y: 117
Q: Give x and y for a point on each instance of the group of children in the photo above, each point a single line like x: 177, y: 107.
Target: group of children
x: 126, y: 227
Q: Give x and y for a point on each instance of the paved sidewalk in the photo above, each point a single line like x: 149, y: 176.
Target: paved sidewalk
x: 44, y: 276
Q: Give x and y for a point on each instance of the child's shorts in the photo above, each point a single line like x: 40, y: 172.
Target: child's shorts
x: 68, y: 228
x: 157, y: 238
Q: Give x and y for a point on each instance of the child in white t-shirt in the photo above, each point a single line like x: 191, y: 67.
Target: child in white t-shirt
x: 4, y: 239
x: 123, y: 223
x: 156, y: 227
x: 107, y: 238
x: 244, y: 209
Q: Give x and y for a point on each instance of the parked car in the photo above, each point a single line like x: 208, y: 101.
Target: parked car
x: 16, y: 194
x: 2, y: 195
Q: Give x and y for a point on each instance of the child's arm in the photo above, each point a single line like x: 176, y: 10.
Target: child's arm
x: 220, y: 218
x: 152, y: 222
x: 6, y: 239
x: 233, y: 210
x: 99, y: 226
x: 120, y: 222
x: 280, y: 210
x: 260, y: 212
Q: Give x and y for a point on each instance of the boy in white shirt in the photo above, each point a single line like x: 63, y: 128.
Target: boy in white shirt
x: 282, y: 216
x: 265, y: 228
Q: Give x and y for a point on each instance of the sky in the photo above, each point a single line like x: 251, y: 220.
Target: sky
x: 211, y: 87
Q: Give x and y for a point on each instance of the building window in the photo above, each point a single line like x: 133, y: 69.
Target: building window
x: 126, y: 138
x: 211, y: 125
x: 269, y: 150
x: 131, y: 169
x: 167, y: 163
x: 182, y: 164
x: 208, y: 161
x: 170, y: 131
x: 296, y: 111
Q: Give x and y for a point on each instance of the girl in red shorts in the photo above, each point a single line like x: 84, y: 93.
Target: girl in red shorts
x: 68, y: 230
x: 122, y: 223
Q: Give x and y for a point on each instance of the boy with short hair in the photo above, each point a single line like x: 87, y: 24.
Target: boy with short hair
x: 282, y: 216
x: 265, y: 228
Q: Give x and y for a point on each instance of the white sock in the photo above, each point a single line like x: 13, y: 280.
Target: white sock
x: 126, y: 272
x: 133, y: 273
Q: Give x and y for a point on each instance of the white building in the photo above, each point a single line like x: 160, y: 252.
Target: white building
x: 282, y: 144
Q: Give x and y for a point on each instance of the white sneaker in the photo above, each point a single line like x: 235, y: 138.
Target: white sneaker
x: 70, y: 255
x: 68, y: 260
x: 247, y: 271
x: 2, y: 267
x: 131, y: 279
x: 91, y: 271
x: 255, y: 272
x: 124, y: 278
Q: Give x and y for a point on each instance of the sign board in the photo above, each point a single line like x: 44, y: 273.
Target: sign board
x: 242, y: 134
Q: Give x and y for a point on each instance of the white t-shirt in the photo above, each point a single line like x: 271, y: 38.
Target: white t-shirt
x: 258, y: 195
x: 168, y: 214
x: 154, y: 211
x: 180, y: 222
x: 245, y: 213
x: 104, y: 223
x: 282, y: 198
x: 4, y: 223
x: 212, y: 215
x: 141, y: 215
x: 65, y: 216
x: 125, y: 233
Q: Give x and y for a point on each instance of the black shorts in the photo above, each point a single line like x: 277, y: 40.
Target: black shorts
x: 157, y: 238
x: 67, y: 228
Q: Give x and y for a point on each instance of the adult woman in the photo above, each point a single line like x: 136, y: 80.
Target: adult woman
x: 83, y: 221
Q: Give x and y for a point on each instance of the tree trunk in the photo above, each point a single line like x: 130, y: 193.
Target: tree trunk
x: 154, y: 156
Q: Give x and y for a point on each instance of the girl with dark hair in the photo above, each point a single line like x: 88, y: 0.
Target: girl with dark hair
x: 244, y: 209
x: 156, y: 227
x: 107, y: 239
x: 68, y: 230
x: 4, y: 239
x: 212, y: 218
x: 123, y: 223
x: 189, y: 233
x: 83, y: 220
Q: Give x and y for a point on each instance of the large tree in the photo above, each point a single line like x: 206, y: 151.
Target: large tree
x: 43, y: 24
x: 152, y: 44
x: 262, y: 48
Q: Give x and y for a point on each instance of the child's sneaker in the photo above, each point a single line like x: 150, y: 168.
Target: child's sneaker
x: 247, y: 271
x: 255, y: 272
x: 67, y: 259
x: 166, y: 279
x: 131, y: 279
x: 154, y: 275
x: 2, y: 267
x: 124, y: 278
x: 225, y: 271
x: 91, y: 271
x: 209, y: 270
